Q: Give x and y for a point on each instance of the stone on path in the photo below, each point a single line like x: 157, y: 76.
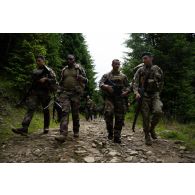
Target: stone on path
x: 89, y: 159
x: 149, y: 153
x: 129, y: 159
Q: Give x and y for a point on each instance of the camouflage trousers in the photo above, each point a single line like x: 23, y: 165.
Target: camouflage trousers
x: 32, y: 103
x: 114, y: 109
x: 88, y: 113
x: 69, y: 102
x: 151, y: 112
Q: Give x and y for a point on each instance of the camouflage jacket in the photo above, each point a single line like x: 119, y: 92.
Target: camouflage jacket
x: 49, y: 85
x: 119, y: 80
x: 149, y: 78
x: 79, y: 71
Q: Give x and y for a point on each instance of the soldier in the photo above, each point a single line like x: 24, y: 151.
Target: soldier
x: 149, y: 78
x: 115, y: 87
x: 89, y: 108
x: 72, y: 84
x: 44, y: 82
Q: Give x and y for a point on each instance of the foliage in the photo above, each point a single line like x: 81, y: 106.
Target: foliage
x: 174, y: 53
x: 18, y: 52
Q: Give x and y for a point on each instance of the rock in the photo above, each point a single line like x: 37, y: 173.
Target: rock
x: 81, y: 142
x: 3, y: 146
x: 129, y: 159
x: 129, y: 139
x: 89, y: 159
x: 94, y: 145
x: 159, y: 160
x: 133, y: 153
x: 80, y: 151
x: 163, y: 152
x: 124, y: 136
x: 94, y: 151
x: 115, y: 160
x: 28, y: 152
x: 63, y: 160
x: 72, y: 160
x: 149, y: 153
x: 182, y: 148
x: 142, y: 161
x: 135, y: 159
x: 113, y: 153
x: 152, y: 158
x: 37, y: 151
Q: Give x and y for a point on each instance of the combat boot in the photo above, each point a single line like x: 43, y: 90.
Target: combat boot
x: 117, y: 140
x: 110, y: 135
x: 153, y: 134
x: 61, y: 138
x: 45, y: 130
x: 148, y: 140
x: 76, y: 135
x: 21, y: 131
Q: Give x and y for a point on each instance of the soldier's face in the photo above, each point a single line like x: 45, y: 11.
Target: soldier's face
x: 40, y: 62
x: 147, y: 60
x: 116, y: 65
x: 70, y: 60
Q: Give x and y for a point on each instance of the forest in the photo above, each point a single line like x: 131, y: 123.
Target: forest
x: 175, y: 54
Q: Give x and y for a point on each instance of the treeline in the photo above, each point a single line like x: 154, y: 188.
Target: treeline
x: 175, y: 54
x: 18, y: 52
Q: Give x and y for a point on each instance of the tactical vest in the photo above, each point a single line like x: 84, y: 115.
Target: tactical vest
x: 116, y: 79
x: 69, y: 79
x: 39, y: 74
x: 153, y: 79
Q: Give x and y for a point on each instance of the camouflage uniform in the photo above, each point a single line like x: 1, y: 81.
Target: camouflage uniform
x: 40, y: 94
x: 115, y: 105
x: 151, y: 104
x: 89, y: 109
x: 69, y: 99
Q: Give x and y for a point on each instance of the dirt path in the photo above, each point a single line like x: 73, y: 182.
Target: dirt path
x: 92, y: 146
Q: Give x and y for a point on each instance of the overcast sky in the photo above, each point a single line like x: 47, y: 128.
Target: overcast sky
x: 104, y: 47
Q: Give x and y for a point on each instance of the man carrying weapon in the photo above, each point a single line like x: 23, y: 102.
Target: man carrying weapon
x: 44, y: 82
x: 147, y: 85
x: 116, y: 88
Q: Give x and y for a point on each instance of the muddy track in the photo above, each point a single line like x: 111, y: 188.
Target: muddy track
x: 92, y: 146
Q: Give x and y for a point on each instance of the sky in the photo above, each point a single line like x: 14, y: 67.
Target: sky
x: 104, y: 47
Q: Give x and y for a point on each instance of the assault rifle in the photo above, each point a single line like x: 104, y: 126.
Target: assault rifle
x: 37, y: 75
x: 56, y: 107
x: 117, y: 90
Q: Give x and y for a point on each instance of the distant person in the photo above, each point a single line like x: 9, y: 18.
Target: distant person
x: 149, y: 78
x: 89, y: 109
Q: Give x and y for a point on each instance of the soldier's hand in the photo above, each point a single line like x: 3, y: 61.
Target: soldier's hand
x: 125, y: 94
x: 42, y: 80
x: 108, y: 88
x: 137, y: 96
x: 80, y: 78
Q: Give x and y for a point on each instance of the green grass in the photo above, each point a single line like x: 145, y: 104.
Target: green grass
x: 171, y: 130
x: 14, y: 117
